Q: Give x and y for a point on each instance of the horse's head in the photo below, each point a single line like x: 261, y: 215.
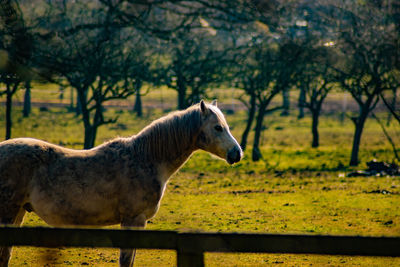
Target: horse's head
x: 215, y: 136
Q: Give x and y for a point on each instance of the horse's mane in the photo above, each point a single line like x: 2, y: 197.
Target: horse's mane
x: 168, y: 136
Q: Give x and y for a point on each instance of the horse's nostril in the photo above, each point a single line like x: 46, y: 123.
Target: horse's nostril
x: 238, y: 155
x: 234, y: 155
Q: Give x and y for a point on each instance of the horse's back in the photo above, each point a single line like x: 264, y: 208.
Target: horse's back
x: 22, y: 155
x: 19, y: 157
x: 22, y: 158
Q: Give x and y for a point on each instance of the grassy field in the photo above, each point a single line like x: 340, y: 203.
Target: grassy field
x: 165, y: 98
x: 294, y: 189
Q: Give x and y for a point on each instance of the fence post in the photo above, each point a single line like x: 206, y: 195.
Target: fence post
x: 190, y: 259
x: 189, y: 251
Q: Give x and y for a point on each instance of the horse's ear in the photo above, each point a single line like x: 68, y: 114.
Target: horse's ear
x: 214, y: 102
x: 203, y: 107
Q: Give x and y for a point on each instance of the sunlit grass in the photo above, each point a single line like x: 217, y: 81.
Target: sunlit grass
x: 294, y: 189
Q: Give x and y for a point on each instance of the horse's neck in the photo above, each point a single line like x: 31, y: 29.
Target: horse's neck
x: 170, y: 166
x: 169, y: 163
x: 167, y: 148
x: 176, y: 155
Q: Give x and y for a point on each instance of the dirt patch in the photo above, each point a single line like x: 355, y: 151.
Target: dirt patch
x: 241, y: 192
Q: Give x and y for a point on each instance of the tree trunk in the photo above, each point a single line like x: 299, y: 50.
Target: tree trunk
x: 393, y: 105
x: 90, y: 137
x: 8, y: 112
x: 359, y: 127
x: 195, y: 95
x: 315, y: 134
x: 80, y: 102
x: 27, y: 99
x: 286, y: 102
x: 78, y: 109
x: 138, y: 101
x: 250, y: 119
x: 71, y: 104
x: 181, y: 95
x: 256, y: 155
x: 90, y: 134
x: 302, y: 100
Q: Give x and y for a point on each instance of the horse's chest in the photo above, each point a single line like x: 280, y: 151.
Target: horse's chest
x: 144, y: 197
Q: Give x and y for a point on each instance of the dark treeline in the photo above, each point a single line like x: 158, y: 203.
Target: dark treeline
x: 107, y: 49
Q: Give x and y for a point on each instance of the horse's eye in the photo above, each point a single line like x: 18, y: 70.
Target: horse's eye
x: 218, y: 128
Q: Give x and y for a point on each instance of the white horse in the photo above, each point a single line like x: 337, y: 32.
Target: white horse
x: 119, y: 182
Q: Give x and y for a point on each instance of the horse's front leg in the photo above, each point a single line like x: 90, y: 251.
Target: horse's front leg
x: 127, y: 256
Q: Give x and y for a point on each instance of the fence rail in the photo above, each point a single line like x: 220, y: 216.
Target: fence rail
x: 191, y: 246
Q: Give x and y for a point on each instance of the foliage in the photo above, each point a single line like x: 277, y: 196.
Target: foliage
x: 108, y: 49
x: 197, y: 60
x: 116, y: 63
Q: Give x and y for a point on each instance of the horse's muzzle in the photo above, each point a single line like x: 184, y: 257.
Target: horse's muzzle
x: 234, y: 155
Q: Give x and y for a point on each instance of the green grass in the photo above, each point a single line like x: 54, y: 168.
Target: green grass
x: 294, y: 189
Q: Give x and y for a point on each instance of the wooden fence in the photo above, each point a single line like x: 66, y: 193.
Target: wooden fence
x: 190, y: 247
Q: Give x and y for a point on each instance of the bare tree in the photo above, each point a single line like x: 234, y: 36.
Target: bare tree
x: 197, y: 60
x: 392, y: 109
x: 315, y: 78
x: 27, y: 99
x: 15, y: 53
x: 282, y: 54
x: 267, y: 68
x: 367, y: 43
x: 99, y: 63
x: 12, y: 84
x: 248, y: 85
x: 316, y: 89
